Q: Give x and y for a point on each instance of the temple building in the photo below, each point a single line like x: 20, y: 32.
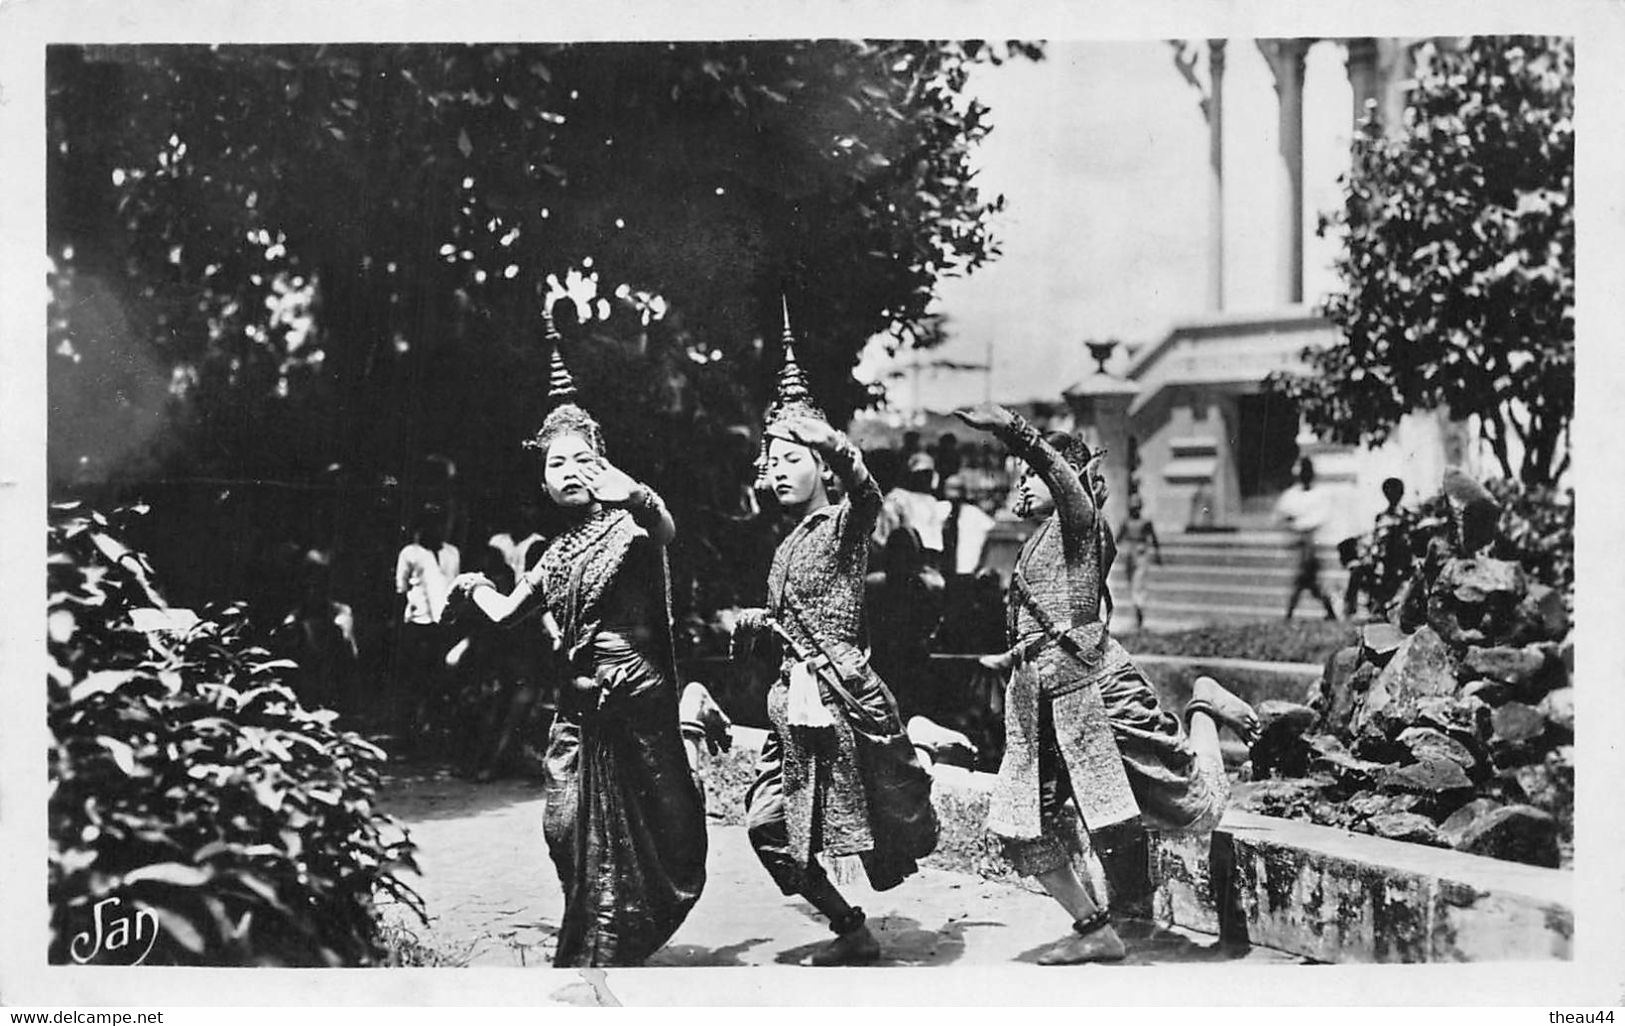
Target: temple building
x: 1187, y: 415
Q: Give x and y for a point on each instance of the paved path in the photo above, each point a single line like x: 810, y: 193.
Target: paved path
x: 494, y: 900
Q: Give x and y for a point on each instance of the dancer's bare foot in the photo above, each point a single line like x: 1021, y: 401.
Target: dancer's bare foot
x: 1099, y: 945
x: 855, y: 947
x: 1208, y: 696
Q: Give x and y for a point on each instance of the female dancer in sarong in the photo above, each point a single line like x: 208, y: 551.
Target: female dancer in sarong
x: 1081, y: 721
x: 837, y: 774
x: 625, y: 818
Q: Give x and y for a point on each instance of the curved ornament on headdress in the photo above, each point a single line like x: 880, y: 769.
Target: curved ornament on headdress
x: 1078, y: 453
x: 565, y: 418
x: 1074, y: 448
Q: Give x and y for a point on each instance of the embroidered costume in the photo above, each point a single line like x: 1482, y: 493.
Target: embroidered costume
x: 625, y: 817
x: 1081, y: 721
x: 854, y: 788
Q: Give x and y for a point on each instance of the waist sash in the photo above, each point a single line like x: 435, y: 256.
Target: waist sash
x: 1064, y: 666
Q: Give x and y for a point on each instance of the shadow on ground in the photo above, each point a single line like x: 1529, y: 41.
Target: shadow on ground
x: 688, y: 956
x: 1151, y: 944
x: 904, y: 942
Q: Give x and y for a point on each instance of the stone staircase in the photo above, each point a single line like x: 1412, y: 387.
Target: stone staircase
x: 1225, y: 578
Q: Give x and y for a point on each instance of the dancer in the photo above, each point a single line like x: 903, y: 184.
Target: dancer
x: 625, y: 820
x: 837, y: 775
x: 1081, y: 721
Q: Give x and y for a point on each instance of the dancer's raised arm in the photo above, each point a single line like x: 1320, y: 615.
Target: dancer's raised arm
x: 845, y: 460
x: 1074, y: 502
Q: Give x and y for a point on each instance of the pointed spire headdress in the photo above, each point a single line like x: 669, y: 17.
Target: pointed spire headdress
x: 792, y: 398
x: 565, y: 418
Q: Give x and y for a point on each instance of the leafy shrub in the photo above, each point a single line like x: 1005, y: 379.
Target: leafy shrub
x: 1537, y: 530
x: 186, y: 780
x: 1276, y: 641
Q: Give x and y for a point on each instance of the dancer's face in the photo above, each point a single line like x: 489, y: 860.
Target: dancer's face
x: 794, y: 471
x: 562, y: 473
x: 1033, y: 500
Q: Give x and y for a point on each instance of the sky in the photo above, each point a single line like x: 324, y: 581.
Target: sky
x: 1101, y: 151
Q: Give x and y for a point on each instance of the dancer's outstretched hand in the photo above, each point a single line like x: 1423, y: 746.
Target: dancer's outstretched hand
x: 609, y: 484
x: 986, y: 417
x: 750, y: 620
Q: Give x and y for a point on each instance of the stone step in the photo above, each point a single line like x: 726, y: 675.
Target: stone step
x: 1225, y: 578
x: 1335, y: 896
x: 1242, y: 576
x: 1283, y: 557
x: 1266, y: 595
x: 1198, y: 614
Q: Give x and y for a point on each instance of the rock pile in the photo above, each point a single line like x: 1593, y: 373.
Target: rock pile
x: 1451, y: 725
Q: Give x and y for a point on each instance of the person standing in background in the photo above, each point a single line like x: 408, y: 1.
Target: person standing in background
x: 1381, y: 564
x: 914, y: 504
x: 1139, y: 539
x: 1305, y: 510
x: 948, y: 458
x: 424, y: 570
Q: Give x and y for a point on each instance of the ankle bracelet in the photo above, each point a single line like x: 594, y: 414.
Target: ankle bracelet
x: 853, y: 919
x: 1089, y: 924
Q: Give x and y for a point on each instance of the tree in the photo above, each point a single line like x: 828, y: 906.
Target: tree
x: 1458, y: 260
x: 273, y: 261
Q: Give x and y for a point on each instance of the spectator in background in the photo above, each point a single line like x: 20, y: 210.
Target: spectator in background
x: 966, y: 529
x: 516, y: 545
x: 948, y: 457
x: 1305, y: 511
x: 905, y: 603
x: 423, y: 574
x: 1138, y: 538
x: 913, y: 504
x: 1379, y: 566
x: 323, y: 635
x: 911, y: 444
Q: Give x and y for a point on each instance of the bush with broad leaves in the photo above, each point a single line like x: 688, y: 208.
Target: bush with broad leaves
x: 187, y: 782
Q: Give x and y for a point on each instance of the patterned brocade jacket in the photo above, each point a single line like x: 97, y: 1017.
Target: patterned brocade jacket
x: 816, y: 592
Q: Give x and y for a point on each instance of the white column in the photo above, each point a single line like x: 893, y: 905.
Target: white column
x: 1215, y: 150
x: 1286, y: 61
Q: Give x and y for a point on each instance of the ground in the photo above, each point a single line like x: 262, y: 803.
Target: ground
x: 493, y: 898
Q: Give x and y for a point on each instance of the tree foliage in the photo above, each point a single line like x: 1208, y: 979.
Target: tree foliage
x: 321, y: 263
x: 426, y: 192
x: 1458, y: 260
